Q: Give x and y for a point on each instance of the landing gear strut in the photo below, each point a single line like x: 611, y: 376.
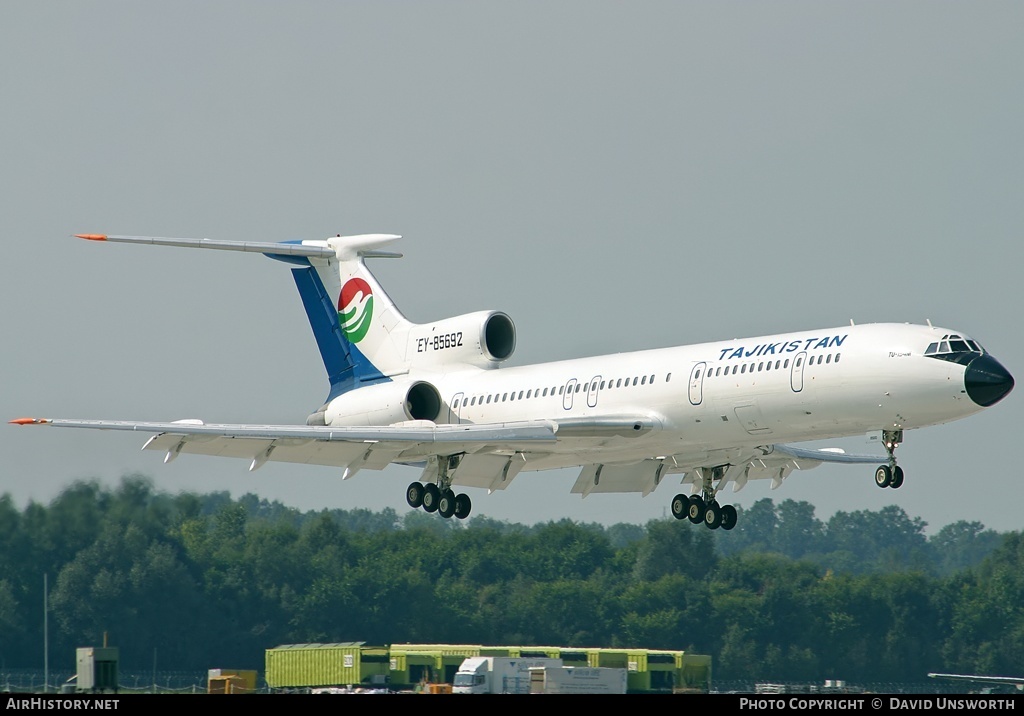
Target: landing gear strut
x: 440, y: 497
x: 890, y: 474
x: 703, y: 507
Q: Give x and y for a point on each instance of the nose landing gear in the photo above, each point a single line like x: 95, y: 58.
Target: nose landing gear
x: 890, y: 474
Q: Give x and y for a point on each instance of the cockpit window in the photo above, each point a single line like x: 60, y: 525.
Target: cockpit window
x: 953, y: 344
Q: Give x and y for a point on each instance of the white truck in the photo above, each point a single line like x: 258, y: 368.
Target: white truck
x: 498, y: 674
x: 577, y: 680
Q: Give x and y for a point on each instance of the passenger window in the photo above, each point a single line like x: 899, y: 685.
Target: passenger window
x: 634, y: 381
x: 760, y: 367
x: 456, y: 404
x: 577, y: 387
x: 643, y: 381
x: 528, y: 394
x: 743, y: 368
x: 837, y: 357
x: 586, y: 387
x: 668, y: 377
x: 561, y: 390
x: 652, y: 380
x: 488, y: 400
x: 786, y: 364
x: 828, y: 358
x: 602, y: 385
x: 504, y: 397
x: 798, y: 361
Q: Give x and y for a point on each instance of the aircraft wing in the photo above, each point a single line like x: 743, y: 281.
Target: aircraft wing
x: 490, y: 454
x: 773, y: 462
x: 372, y: 447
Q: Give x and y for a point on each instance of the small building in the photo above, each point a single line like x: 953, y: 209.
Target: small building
x: 96, y: 668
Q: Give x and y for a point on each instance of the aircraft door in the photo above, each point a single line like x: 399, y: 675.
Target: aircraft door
x: 455, y: 411
x: 796, y: 377
x: 697, y: 383
x: 570, y: 388
x: 595, y: 385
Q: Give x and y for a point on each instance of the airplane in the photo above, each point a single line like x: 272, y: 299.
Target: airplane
x: 435, y: 396
x: 1015, y: 681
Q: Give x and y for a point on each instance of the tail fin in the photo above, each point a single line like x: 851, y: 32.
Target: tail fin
x: 361, y: 334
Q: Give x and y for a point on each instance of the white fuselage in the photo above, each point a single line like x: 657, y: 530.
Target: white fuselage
x: 791, y: 387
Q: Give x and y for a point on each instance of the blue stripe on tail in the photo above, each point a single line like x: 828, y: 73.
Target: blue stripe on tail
x: 347, y: 368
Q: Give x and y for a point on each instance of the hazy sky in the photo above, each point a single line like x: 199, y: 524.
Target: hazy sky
x: 615, y: 176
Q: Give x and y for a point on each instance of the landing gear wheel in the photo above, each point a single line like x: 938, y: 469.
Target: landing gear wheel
x: 680, y: 506
x: 728, y: 517
x: 414, y: 495
x: 446, y: 504
x: 696, y: 509
x: 713, y: 516
x: 431, y: 496
x: 897, y: 478
x: 463, y: 506
x: 883, y: 476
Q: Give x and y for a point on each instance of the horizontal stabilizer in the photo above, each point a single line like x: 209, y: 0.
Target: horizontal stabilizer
x: 318, y: 249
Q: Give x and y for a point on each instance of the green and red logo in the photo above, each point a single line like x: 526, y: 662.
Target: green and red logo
x: 355, y: 309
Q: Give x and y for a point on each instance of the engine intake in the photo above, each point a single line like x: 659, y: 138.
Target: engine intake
x: 385, y: 404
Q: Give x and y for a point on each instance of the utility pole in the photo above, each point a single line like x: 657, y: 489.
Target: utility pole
x: 46, y: 637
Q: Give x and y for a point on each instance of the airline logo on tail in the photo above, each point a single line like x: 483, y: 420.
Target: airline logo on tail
x: 355, y: 309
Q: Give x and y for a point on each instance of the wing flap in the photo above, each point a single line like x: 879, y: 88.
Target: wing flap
x: 493, y: 471
x: 643, y: 476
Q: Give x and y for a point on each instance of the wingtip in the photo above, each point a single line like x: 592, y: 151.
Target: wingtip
x: 28, y: 421
x: 92, y: 237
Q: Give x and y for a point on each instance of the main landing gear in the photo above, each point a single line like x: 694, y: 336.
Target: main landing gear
x: 704, y: 507
x: 439, y: 497
x: 890, y: 474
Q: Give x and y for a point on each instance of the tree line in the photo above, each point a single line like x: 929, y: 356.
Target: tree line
x: 210, y: 581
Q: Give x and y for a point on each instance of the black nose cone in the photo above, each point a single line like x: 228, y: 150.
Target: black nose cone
x: 987, y: 381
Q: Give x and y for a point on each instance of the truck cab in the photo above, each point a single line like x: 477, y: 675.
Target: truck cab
x: 472, y: 676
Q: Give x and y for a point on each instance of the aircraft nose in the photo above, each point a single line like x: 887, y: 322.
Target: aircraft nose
x: 987, y: 381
